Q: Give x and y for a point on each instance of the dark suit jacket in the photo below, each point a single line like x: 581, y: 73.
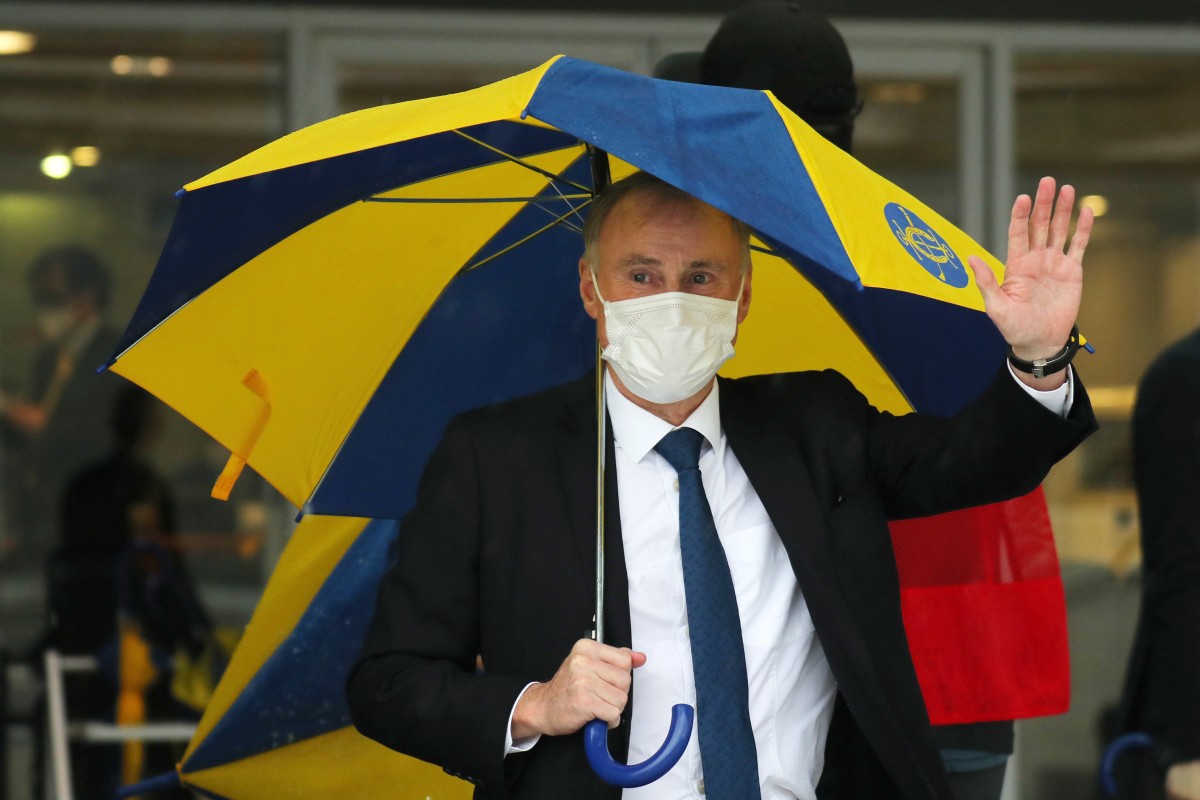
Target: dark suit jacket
x: 1162, y: 690
x: 497, y: 558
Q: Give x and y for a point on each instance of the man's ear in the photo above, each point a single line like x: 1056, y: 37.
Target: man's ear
x: 587, y: 290
x: 744, y: 300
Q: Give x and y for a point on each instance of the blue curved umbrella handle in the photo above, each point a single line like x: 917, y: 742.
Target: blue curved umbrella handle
x: 627, y: 776
x: 1117, y: 748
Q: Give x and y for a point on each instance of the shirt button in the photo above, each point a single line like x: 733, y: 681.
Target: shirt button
x: 677, y: 484
x: 700, y: 786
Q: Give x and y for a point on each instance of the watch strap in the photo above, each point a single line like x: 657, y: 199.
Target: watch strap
x: 1041, y: 367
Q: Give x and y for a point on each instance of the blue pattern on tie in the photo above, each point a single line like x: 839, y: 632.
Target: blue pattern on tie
x: 727, y: 749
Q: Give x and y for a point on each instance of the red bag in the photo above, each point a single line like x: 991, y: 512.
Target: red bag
x: 985, y: 612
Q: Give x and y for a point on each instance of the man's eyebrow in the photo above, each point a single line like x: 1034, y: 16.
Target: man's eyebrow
x: 641, y: 260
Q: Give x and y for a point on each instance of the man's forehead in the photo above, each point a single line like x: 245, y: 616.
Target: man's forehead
x: 675, y: 205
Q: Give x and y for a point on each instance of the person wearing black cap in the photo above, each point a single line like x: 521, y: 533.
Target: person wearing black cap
x: 801, y: 58
x: 794, y: 52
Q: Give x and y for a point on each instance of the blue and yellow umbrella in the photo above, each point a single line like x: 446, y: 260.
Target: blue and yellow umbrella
x: 324, y: 305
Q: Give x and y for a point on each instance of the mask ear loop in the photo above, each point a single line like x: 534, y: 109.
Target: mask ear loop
x: 596, y: 286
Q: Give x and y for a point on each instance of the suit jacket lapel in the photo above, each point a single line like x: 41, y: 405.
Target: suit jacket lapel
x: 779, y: 475
x: 769, y: 455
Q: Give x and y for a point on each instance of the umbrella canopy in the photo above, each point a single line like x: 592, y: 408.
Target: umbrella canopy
x: 323, y: 305
x: 278, y: 725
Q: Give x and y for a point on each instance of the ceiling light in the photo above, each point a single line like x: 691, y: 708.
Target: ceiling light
x: 56, y: 166
x: 1098, y: 203
x: 154, y: 66
x: 16, y: 42
x: 85, y: 156
x: 160, y: 66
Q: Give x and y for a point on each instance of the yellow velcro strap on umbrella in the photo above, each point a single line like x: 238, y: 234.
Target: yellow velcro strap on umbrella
x: 237, y: 459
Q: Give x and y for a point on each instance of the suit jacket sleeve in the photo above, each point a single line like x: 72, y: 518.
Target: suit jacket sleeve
x: 415, y: 688
x: 1000, y: 447
x: 1167, y: 470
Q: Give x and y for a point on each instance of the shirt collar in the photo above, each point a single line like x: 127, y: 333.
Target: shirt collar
x: 636, y: 430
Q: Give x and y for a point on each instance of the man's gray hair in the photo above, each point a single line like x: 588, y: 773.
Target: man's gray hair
x: 654, y: 189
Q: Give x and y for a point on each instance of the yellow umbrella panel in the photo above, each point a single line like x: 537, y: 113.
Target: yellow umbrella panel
x: 278, y: 726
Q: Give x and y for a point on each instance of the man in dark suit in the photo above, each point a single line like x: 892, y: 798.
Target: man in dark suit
x: 792, y: 50
x: 1162, y: 689
x: 800, y: 474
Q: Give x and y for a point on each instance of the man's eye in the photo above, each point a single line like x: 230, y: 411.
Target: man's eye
x: 641, y: 277
x: 700, y: 277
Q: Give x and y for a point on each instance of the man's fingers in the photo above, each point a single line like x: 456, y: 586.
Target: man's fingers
x: 621, y: 657
x: 609, y: 674
x: 1061, y: 223
x: 611, y: 699
x: 600, y: 671
x: 1039, y: 221
x: 985, y: 279
x: 1018, y: 228
x: 1083, y: 232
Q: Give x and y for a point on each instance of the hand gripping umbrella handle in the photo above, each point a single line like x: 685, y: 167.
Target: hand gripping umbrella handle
x: 595, y: 744
x: 1117, y: 748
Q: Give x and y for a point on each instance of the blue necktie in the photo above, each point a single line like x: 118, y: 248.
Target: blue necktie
x: 727, y: 749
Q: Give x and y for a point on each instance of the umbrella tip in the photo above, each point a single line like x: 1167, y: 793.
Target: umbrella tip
x: 180, y: 193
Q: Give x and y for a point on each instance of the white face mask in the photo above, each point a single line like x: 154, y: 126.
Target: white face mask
x: 666, y: 347
x: 54, y: 322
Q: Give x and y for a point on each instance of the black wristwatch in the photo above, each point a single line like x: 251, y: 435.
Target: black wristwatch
x: 1040, y: 368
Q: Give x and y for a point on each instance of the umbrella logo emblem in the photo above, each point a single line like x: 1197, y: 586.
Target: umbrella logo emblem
x: 925, y: 246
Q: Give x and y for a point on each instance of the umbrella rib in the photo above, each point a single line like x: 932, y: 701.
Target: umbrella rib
x: 558, y: 220
x: 522, y: 163
x: 563, y: 219
x: 566, y: 198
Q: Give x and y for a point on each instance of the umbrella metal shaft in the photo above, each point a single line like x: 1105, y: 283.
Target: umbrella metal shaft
x: 601, y: 451
x: 601, y: 177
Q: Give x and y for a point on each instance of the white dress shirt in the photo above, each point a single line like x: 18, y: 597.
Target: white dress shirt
x: 791, y: 687
x: 792, y: 690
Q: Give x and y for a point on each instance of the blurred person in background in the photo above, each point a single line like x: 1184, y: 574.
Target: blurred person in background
x: 58, y: 426
x: 783, y: 47
x: 118, y: 571
x: 1162, y: 687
